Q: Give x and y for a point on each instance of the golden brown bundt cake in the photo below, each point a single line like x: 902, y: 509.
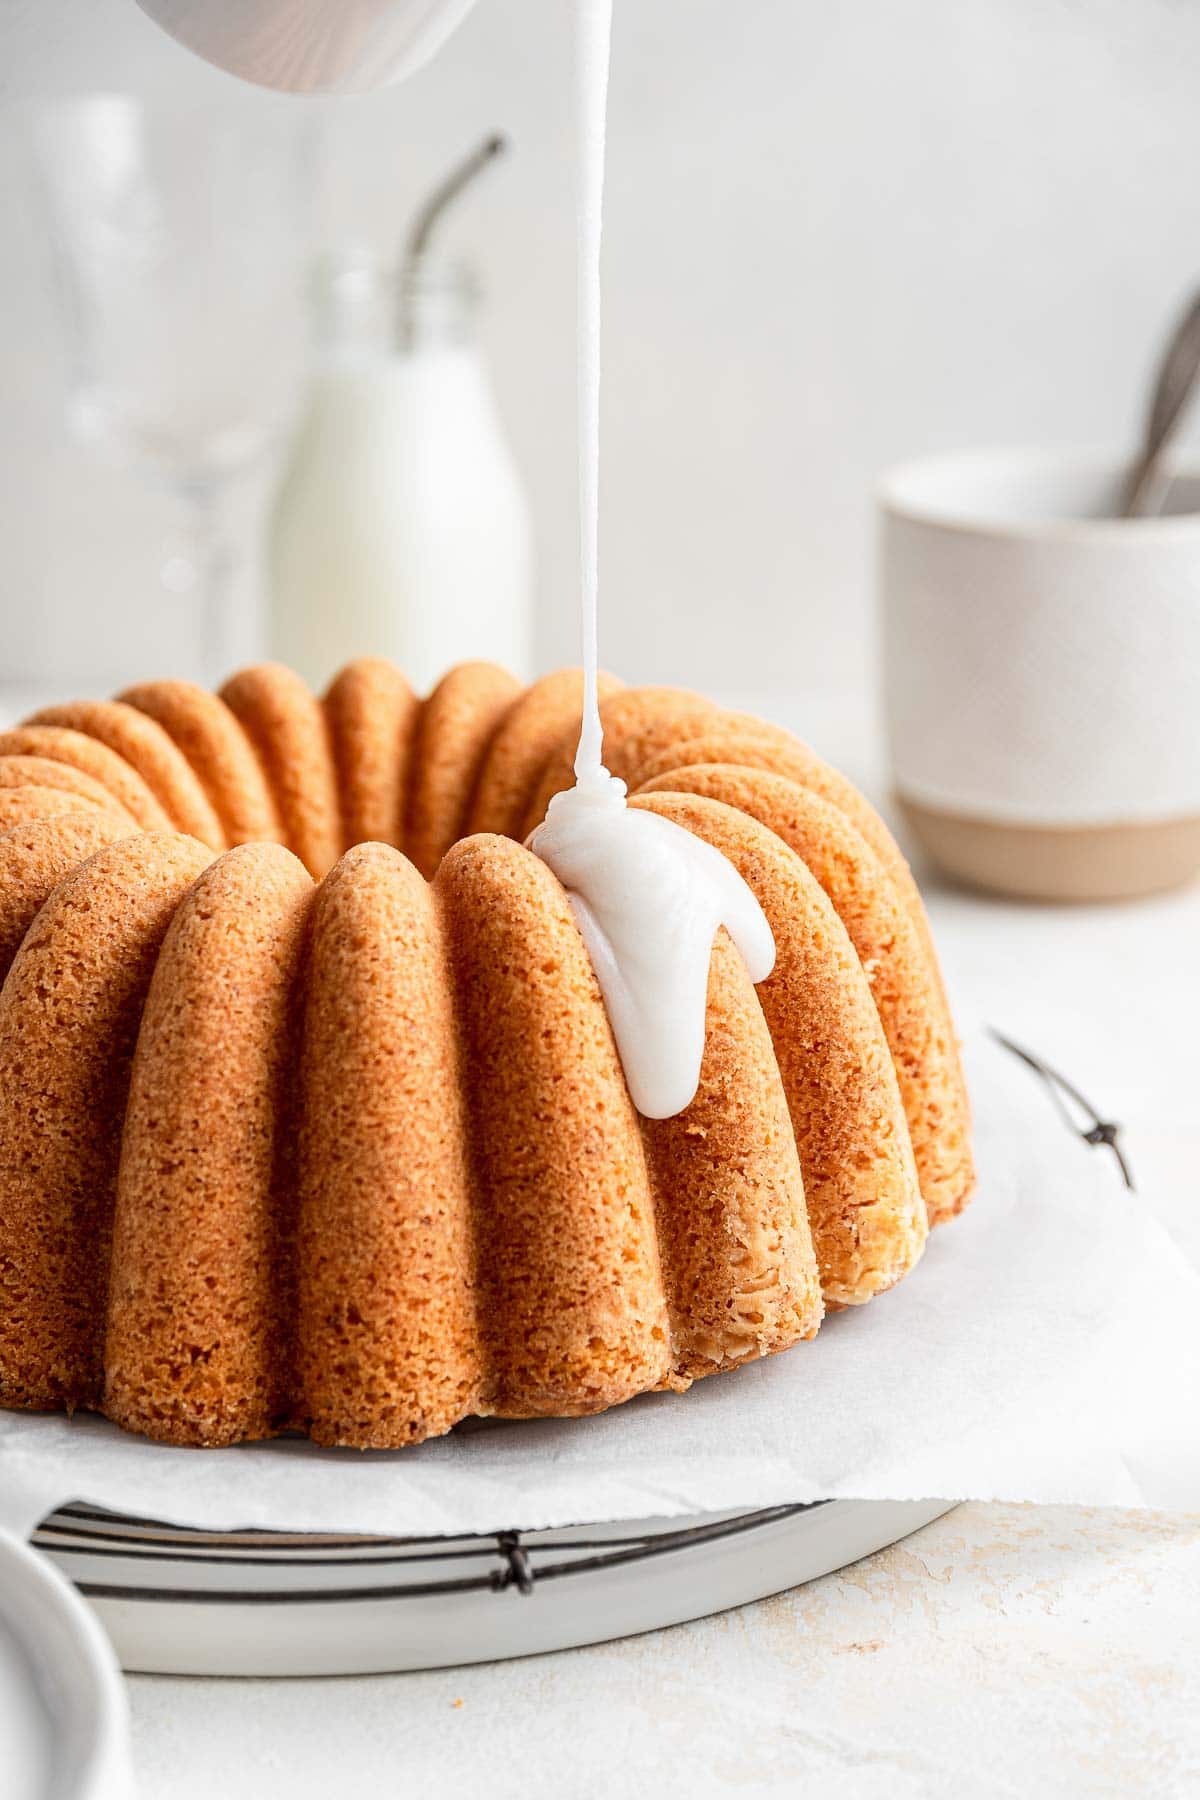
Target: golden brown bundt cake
x: 204, y: 1226
x: 865, y: 1210
x: 145, y: 746
x: 740, y: 742
x: 454, y: 729
x: 751, y: 743
x: 24, y: 805
x: 388, y: 1347
x: 70, y: 1011
x: 290, y: 732
x: 864, y: 895
x: 41, y: 772
x: 748, y: 1284
x: 76, y: 750
x: 531, y: 729
x: 734, y: 738
x: 571, y: 1304
x: 360, y: 1159
x: 372, y: 713
x: 219, y: 751
x: 34, y: 858
x: 639, y: 724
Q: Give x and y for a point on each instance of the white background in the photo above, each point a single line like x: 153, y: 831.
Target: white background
x: 836, y: 236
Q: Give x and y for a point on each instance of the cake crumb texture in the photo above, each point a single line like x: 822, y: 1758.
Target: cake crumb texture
x: 311, y: 1116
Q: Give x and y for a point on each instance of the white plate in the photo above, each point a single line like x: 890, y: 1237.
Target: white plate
x: 187, y: 1602
x: 63, y: 1723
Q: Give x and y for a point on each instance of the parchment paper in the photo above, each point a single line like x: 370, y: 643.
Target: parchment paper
x: 1047, y: 1349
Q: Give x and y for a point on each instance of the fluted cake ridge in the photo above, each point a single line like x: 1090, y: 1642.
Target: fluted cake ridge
x: 310, y: 1111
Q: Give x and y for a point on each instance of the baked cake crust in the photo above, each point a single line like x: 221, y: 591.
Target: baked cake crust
x: 311, y: 1116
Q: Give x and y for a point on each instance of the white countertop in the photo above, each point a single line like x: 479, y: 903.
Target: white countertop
x: 1001, y: 1651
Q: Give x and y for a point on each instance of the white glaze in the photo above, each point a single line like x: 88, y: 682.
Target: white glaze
x: 648, y: 897
x: 593, y: 35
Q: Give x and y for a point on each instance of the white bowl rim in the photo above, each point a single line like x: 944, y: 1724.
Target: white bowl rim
x: 896, y: 500
x: 47, y: 1612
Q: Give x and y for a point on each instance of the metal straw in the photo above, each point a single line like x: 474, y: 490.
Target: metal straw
x: 416, y: 243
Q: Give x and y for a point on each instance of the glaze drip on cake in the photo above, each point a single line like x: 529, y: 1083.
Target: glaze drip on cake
x: 648, y: 897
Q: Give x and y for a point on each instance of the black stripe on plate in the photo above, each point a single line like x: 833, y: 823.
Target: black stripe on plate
x: 154, y: 1549
x: 497, y: 1581
x: 186, y: 1542
x: 246, y: 1560
x: 330, y: 1539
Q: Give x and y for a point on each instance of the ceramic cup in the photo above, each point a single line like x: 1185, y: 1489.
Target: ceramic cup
x: 1042, y: 672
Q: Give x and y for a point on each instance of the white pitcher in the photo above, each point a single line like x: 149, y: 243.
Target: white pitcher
x: 314, y: 46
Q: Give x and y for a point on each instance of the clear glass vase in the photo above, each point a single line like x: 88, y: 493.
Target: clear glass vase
x: 179, y: 240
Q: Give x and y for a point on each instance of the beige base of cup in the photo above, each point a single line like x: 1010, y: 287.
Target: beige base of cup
x: 1046, y: 862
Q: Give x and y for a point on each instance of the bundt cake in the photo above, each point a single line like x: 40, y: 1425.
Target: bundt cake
x: 311, y: 1115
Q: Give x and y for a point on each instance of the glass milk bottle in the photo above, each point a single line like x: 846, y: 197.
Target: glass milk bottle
x: 401, y: 527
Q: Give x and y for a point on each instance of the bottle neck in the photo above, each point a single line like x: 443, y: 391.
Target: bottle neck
x: 362, y: 309
x: 436, y: 308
